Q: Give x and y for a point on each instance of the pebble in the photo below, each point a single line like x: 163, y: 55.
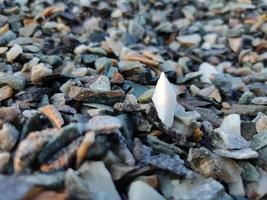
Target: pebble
x: 189, y: 40
x: 8, y: 137
x: 140, y: 190
x: 259, y: 100
x: 102, y: 83
x: 242, y: 154
x: 246, y: 98
x: 207, y: 70
x: 13, y: 53
x: 103, y: 124
x: 39, y: 72
x: 5, y: 92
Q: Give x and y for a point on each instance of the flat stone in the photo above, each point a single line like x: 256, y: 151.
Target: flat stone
x: 241, y: 154
x: 204, y: 189
x: 95, y: 96
x: 104, y: 124
x: 250, y: 110
x: 189, y: 40
x: 259, y: 100
x: 140, y: 190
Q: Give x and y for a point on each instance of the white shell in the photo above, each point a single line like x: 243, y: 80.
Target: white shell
x: 164, y: 99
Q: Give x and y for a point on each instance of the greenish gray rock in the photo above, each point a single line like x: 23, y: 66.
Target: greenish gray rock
x: 146, y: 96
x: 259, y: 141
x: 53, y: 60
x: 249, y: 172
x: 15, y: 81
x: 241, y: 154
x: 246, y: 98
x: 101, y: 83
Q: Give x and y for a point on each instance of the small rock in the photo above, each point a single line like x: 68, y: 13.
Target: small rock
x: 259, y: 100
x: 92, y: 175
x: 38, y: 72
x: 229, y: 134
x: 13, y: 53
x: 5, y: 92
x: 241, y: 154
x: 53, y: 115
x: 189, y: 40
x: 102, y: 83
x: 235, y: 43
x: 246, y: 98
x: 207, y: 70
x: 259, y: 141
x: 140, y: 190
x: 8, y: 137
x: 95, y: 96
x: 249, y: 172
x: 4, y: 158
x: 136, y: 30
x: 204, y: 189
x: 17, y: 82
x: 103, y: 124
x: 261, y: 122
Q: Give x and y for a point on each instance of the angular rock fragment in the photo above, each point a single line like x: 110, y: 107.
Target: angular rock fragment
x: 140, y: 190
x: 38, y: 72
x: 53, y: 115
x: 30, y: 147
x: 87, y: 184
x: 229, y: 134
x: 96, y: 96
x: 8, y: 137
x: 13, y: 53
x: 207, y: 70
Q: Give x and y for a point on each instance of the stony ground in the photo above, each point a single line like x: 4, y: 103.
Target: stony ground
x: 128, y: 99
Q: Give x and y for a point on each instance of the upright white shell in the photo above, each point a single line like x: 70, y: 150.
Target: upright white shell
x: 164, y: 99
